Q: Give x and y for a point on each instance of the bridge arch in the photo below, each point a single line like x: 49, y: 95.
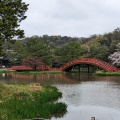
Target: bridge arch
x: 96, y: 62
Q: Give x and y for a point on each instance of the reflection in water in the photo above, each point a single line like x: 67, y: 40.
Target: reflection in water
x: 73, y: 78
x: 86, y: 95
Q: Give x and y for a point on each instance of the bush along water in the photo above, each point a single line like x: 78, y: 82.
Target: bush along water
x: 29, y: 102
x: 103, y: 73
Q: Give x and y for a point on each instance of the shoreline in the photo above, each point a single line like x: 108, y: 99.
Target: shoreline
x: 103, y: 73
x: 27, y: 101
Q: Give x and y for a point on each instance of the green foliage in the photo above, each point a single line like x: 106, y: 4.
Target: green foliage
x: 26, y: 103
x: 36, y: 47
x: 69, y: 52
x: 5, y: 71
x: 12, y: 12
x: 99, y: 51
x: 54, y: 41
x: 40, y: 72
x: 57, y: 50
x: 32, y: 47
x: 102, y: 73
x: 19, y: 52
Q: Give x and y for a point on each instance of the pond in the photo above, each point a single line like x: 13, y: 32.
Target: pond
x: 85, y: 94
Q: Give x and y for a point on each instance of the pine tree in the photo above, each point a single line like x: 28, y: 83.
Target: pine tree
x: 12, y: 12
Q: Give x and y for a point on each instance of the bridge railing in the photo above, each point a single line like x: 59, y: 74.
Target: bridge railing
x: 27, y: 68
x: 99, y: 63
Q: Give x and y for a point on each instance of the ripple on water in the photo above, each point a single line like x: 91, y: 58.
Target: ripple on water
x: 100, y: 99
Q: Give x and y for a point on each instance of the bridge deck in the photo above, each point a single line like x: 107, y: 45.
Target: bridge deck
x: 102, y: 64
x: 99, y: 63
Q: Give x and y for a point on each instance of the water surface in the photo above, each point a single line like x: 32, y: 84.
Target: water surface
x: 86, y: 95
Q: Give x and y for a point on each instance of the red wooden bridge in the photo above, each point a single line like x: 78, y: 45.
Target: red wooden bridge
x: 27, y: 68
x: 90, y: 61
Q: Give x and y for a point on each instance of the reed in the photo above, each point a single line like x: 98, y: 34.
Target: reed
x: 29, y: 103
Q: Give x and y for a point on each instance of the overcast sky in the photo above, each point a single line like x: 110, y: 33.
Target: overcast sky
x: 75, y: 18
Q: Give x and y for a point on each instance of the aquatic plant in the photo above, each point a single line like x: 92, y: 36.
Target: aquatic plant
x: 29, y: 103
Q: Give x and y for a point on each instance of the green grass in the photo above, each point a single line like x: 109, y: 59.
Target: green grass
x: 39, y: 72
x: 20, y: 102
x: 82, y: 70
x: 5, y: 71
x: 103, y: 73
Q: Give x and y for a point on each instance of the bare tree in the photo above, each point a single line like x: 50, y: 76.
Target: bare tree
x: 32, y: 62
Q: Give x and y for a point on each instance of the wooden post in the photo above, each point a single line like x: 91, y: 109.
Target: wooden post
x: 79, y: 68
x: 88, y: 68
x: 73, y: 68
x: 93, y: 68
x: 82, y: 67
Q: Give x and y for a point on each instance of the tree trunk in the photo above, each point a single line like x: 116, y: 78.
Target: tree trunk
x: 34, y: 68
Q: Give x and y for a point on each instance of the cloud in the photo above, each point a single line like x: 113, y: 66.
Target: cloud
x: 80, y: 18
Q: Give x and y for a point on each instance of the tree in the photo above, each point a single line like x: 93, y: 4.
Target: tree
x: 32, y: 47
x: 115, y: 57
x: 99, y: 51
x: 12, y: 12
x: 69, y: 52
x: 19, y: 52
x: 6, y: 48
x: 36, y: 47
x: 32, y: 62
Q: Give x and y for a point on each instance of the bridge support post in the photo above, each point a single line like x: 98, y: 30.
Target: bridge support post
x: 79, y: 68
x: 73, y: 69
x: 88, y: 68
x: 82, y: 67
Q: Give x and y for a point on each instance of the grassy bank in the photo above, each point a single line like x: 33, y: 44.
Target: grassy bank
x: 20, y: 102
x: 82, y: 70
x: 39, y: 72
x: 103, y: 73
x: 5, y: 71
